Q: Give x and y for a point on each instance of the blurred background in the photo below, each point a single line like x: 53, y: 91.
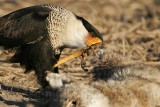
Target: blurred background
x: 129, y: 27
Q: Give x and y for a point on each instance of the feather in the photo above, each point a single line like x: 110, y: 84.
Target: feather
x: 24, y: 26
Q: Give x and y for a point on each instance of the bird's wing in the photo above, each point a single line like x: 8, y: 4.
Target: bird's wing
x: 23, y: 26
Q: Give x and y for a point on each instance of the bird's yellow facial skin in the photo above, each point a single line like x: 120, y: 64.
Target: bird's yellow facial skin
x: 92, y: 40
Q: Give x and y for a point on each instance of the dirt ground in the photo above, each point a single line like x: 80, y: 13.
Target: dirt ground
x: 129, y: 27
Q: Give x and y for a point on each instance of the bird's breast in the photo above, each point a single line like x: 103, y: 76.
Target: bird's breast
x: 56, y: 25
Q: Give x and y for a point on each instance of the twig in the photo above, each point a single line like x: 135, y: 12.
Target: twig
x: 124, y: 49
x: 152, y: 63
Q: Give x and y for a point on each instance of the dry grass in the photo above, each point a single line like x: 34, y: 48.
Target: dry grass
x: 130, y: 28
x: 116, y: 82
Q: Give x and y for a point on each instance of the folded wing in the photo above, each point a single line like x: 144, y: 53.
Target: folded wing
x: 24, y: 26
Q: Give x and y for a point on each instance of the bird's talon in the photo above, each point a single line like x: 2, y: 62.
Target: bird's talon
x: 83, y: 67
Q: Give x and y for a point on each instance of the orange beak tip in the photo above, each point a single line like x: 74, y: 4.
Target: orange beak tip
x: 92, y: 40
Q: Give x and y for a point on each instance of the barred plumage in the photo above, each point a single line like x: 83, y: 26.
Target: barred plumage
x: 39, y: 31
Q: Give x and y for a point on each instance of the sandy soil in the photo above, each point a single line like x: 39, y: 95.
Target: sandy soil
x: 130, y: 28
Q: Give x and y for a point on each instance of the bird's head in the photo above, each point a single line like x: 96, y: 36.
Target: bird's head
x: 93, y: 35
x: 81, y: 33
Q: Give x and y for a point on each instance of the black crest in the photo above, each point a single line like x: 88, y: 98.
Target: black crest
x: 90, y: 28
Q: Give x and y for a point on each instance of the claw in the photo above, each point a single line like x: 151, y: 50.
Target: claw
x: 83, y: 62
x: 93, y: 52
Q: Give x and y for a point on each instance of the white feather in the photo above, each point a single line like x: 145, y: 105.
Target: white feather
x: 75, y: 34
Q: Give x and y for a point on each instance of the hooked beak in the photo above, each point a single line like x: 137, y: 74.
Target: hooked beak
x: 90, y: 40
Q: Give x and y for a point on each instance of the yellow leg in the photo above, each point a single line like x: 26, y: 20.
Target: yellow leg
x: 72, y: 56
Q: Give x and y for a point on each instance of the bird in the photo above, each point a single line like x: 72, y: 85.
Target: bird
x: 39, y: 34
